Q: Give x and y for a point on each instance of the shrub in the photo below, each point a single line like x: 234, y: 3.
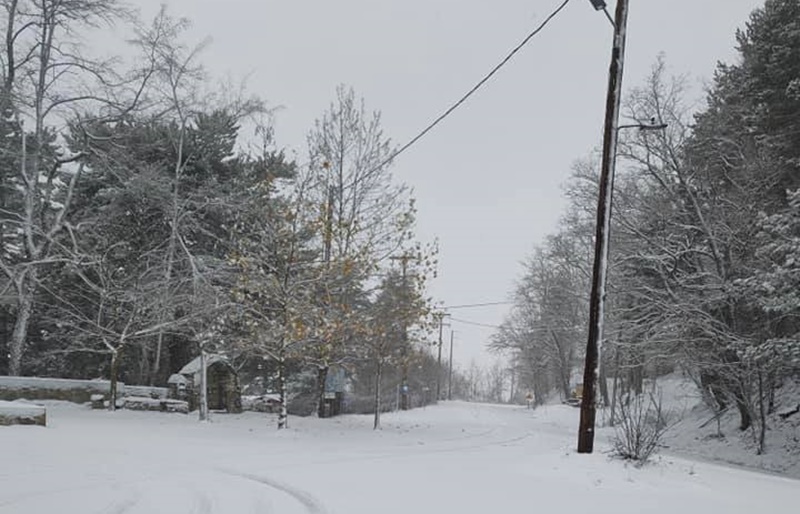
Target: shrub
x: 641, y: 424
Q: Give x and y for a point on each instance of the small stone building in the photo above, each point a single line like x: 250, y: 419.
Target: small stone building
x: 224, y: 392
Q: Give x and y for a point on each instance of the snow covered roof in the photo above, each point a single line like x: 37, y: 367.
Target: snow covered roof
x: 193, y: 367
x: 177, y: 378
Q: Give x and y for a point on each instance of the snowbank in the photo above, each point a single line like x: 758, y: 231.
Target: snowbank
x: 154, y: 404
x: 145, y: 391
x: 700, y: 434
x: 34, y: 388
x: 71, y: 390
x: 22, y: 413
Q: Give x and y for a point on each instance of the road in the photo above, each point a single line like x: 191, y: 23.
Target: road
x: 455, y: 457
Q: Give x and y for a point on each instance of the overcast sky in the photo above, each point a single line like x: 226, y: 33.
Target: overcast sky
x: 488, y: 179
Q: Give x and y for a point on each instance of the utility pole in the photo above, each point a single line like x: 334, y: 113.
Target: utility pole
x: 600, y: 267
x: 439, y: 366
x: 404, y: 403
x: 450, y: 373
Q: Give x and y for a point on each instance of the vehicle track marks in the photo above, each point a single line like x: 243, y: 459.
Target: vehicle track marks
x: 311, y: 504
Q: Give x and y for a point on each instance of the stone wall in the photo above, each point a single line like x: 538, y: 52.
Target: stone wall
x: 21, y: 413
x: 76, y: 391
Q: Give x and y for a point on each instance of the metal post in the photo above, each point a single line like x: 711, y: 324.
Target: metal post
x: 600, y: 267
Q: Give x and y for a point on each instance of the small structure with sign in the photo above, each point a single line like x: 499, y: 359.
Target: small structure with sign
x: 334, y: 392
x: 222, y: 384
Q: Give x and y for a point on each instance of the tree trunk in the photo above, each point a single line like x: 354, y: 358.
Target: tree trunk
x: 614, y: 390
x: 283, y: 416
x: 322, y: 377
x: 145, y: 377
x: 378, y: 379
x: 745, y: 419
x: 20, y: 333
x: 171, y: 250
x: 564, y: 379
x: 637, y: 376
x: 771, y: 392
x: 603, y: 383
x: 114, y: 372
x: 762, y: 411
x: 203, y: 403
x: 513, y: 388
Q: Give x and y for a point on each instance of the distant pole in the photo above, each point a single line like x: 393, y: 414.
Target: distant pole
x: 600, y: 267
x: 404, y: 403
x: 450, y: 373
x: 439, y: 362
x: 439, y: 369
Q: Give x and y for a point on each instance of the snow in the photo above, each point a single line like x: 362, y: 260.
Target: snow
x: 148, y: 391
x: 14, y: 383
x: 456, y: 457
x: 177, y: 378
x: 193, y: 367
x: 20, y: 409
x: 696, y: 434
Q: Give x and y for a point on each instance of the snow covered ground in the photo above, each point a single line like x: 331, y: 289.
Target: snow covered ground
x: 697, y: 434
x: 457, y: 457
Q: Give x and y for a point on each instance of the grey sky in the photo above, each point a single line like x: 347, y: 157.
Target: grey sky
x: 488, y: 179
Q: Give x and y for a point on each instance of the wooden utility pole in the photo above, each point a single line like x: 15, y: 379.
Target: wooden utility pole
x: 404, y: 403
x: 600, y: 267
x: 439, y: 365
x: 450, y: 373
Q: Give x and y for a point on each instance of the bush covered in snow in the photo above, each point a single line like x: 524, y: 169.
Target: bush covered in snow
x: 641, y: 424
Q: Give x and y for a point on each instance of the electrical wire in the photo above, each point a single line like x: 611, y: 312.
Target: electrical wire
x: 474, y: 89
x: 473, y: 323
x: 541, y: 327
x: 473, y: 305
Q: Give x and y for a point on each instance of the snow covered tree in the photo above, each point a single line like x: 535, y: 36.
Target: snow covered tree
x: 279, y: 273
x: 46, y: 80
x: 360, y: 214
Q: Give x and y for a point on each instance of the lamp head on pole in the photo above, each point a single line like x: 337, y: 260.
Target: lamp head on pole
x: 600, y: 5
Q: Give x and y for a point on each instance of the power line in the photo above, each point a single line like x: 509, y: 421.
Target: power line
x: 474, y: 323
x: 472, y: 305
x: 535, y: 326
x: 474, y: 89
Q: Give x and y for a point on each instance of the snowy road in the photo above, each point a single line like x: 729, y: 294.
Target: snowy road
x: 459, y: 458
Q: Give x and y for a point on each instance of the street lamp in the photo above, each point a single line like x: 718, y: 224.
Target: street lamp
x: 652, y: 126
x: 603, y: 227
x: 600, y: 5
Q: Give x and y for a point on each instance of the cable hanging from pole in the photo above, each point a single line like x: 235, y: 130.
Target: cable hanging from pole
x: 474, y: 89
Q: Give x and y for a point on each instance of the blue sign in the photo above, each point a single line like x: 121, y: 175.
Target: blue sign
x: 335, y: 381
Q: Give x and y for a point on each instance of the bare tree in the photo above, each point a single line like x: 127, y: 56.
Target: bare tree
x: 108, y: 309
x: 361, y: 213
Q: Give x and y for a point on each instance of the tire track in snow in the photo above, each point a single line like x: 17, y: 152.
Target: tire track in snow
x: 311, y: 504
x: 121, y: 507
x: 420, y: 449
x: 202, y: 503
